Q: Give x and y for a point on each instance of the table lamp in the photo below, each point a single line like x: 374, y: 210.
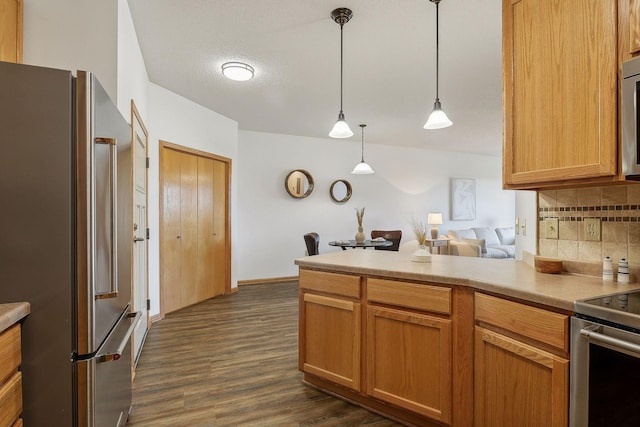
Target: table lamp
x: 435, y: 219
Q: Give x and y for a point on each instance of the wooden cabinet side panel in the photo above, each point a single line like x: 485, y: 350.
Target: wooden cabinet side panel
x: 538, y: 324
x: 559, y: 90
x: 518, y: 385
x: 330, y: 333
x: 634, y: 25
x: 333, y: 283
x: 11, y: 28
x: 409, y: 361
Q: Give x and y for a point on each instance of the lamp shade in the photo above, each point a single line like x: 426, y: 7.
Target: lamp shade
x: 434, y: 218
x: 341, y: 129
x: 362, y: 168
x: 238, y: 71
x: 438, y: 118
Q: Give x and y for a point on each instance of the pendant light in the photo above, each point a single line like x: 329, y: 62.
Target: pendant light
x: 362, y: 168
x: 438, y: 118
x: 341, y: 128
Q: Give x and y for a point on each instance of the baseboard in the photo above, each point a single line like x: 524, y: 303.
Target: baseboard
x: 267, y: 281
x: 157, y: 317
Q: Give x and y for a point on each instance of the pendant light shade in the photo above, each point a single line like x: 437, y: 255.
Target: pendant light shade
x: 363, y: 167
x: 341, y: 128
x: 438, y: 118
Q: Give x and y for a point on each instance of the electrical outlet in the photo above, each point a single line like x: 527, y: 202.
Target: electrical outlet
x: 592, y: 229
x: 551, y: 228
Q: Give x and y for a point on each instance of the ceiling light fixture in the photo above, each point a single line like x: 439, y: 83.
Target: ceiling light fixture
x: 438, y: 118
x: 341, y: 129
x: 362, y: 168
x: 238, y: 71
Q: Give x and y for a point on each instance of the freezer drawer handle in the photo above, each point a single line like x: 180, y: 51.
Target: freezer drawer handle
x: 115, y: 355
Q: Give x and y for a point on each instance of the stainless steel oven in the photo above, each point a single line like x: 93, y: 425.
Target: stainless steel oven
x: 605, y: 362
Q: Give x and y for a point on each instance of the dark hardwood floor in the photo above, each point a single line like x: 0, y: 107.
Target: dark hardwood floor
x: 232, y: 361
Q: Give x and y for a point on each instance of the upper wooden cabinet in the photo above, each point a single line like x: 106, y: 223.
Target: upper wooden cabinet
x: 634, y: 26
x: 11, y: 30
x: 560, y: 67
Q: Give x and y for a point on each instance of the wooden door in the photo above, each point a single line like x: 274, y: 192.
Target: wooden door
x: 195, y: 252
x: 139, y: 283
x: 221, y: 268
x: 330, y: 334
x: 11, y: 30
x: 204, y: 276
x: 409, y: 361
x: 170, y: 248
x: 517, y: 384
x: 559, y: 91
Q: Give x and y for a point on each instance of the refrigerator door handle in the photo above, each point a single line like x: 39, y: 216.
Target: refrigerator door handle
x: 113, y: 163
x: 109, y: 351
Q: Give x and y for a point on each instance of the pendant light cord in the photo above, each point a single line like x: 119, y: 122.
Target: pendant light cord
x: 341, y: 66
x: 362, y: 149
x: 437, y: 50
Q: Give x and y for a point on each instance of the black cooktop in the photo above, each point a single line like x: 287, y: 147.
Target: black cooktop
x: 622, y: 308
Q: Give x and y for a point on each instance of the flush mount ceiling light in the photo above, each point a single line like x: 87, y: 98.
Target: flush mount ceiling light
x: 238, y: 71
x: 438, y: 118
x: 362, y: 168
x: 341, y: 128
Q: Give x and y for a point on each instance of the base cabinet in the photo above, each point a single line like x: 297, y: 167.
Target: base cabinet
x: 517, y: 384
x: 330, y: 339
x: 409, y: 361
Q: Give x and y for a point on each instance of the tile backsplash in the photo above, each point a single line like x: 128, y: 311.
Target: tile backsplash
x: 617, y: 207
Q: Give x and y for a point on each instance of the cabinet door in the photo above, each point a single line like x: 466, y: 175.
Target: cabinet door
x: 409, y: 361
x: 559, y: 91
x: 517, y: 384
x: 330, y: 335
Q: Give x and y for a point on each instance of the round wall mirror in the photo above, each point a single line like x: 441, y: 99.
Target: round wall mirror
x: 340, y: 191
x: 299, y: 183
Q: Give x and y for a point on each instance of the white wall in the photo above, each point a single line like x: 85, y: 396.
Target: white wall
x: 73, y: 35
x: 177, y: 120
x: 408, y: 182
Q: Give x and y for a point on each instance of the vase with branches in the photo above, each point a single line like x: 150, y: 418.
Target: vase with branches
x: 423, y: 254
x: 360, y: 237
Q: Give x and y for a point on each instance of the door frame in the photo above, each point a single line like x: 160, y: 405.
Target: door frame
x: 136, y: 118
x: 227, y: 200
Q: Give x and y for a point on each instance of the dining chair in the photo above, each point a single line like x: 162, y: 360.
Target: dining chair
x: 312, y: 240
x: 393, y: 236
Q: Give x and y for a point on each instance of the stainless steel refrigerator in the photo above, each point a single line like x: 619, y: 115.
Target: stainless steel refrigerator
x: 65, y: 243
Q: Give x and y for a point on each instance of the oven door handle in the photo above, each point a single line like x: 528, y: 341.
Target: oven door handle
x: 615, y: 343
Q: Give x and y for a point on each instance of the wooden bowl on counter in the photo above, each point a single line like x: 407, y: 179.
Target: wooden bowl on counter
x: 548, y: 265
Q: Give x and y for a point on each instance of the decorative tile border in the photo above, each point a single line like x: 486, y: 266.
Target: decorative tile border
x: 611, y: 213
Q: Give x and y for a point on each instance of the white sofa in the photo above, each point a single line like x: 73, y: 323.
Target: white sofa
x: 483, y: 242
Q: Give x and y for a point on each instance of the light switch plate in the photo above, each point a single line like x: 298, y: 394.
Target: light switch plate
x: 592, y: 229
x: 551, y: 228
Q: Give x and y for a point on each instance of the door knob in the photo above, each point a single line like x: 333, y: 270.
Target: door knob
x: 138, y: 239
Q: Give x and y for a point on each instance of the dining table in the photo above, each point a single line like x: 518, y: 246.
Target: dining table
x: 344, y: 244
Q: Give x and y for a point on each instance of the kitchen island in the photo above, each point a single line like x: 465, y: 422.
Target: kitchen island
x: 458, y: 341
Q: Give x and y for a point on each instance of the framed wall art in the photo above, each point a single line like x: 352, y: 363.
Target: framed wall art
x: 463, y: 199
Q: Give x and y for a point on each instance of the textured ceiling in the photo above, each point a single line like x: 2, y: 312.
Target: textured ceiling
x: 294, y: 46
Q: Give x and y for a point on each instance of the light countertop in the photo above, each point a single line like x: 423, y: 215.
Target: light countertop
x: 11, y: 313
x: 506, y: 277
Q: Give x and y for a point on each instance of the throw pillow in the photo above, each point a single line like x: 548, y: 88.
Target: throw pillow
x: 477, y: 242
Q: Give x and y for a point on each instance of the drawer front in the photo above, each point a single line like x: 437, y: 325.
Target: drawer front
x: 532, y: 322
x: 333, y: 283
x: 11, y: 400
x: 410, y: 295
x: 9, y: 352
